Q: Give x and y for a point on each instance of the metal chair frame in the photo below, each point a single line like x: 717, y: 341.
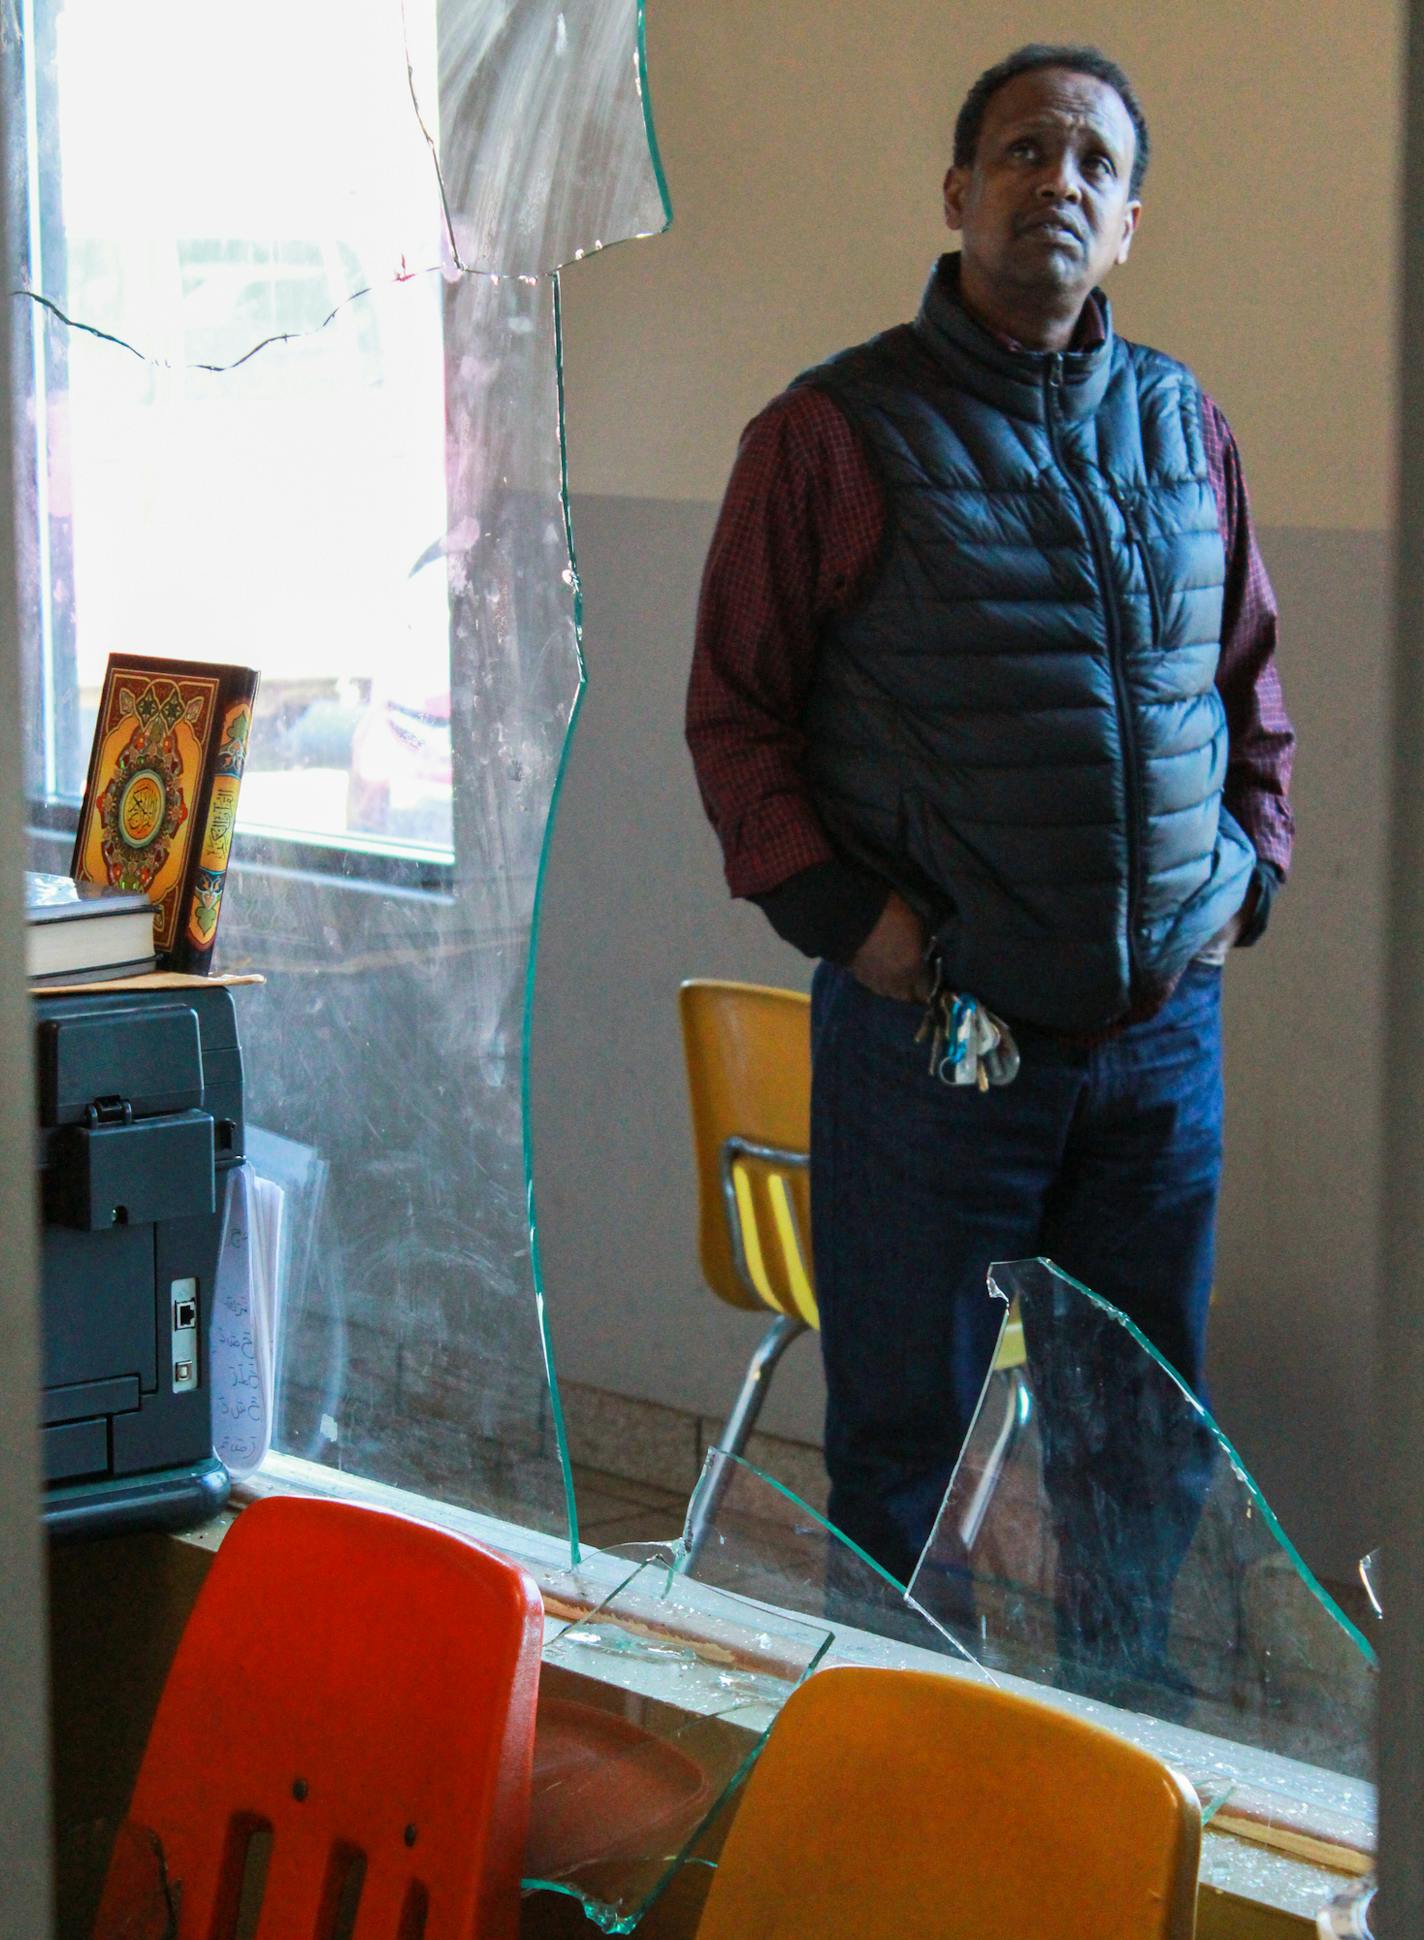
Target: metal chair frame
x: 737, y: 1153
x: 785, y: 1328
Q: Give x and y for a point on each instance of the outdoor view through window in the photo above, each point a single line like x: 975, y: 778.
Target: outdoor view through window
x: 288, y: 513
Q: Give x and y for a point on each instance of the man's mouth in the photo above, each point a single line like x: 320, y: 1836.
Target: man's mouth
x: 1055, y: 228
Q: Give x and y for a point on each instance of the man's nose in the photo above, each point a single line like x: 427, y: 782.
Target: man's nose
x: 1061, y: 184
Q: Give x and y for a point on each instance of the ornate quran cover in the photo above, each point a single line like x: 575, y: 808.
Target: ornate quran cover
x: 160, y: 802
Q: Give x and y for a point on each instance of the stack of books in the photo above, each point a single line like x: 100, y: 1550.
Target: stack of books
x: 156, y: 826
x: 83, y: 932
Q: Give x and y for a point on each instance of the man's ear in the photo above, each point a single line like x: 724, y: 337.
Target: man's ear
x: 1131, y: 216
x: 956, y: 187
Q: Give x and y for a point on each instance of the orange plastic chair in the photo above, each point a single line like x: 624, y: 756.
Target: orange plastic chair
x: 748, y: 1051
x: 889, y: 1803
x: 355, y: 1693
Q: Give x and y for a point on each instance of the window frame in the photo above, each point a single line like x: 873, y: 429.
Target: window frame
x: 48, y: 635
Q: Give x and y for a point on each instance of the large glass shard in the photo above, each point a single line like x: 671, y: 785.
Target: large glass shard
x: 389, y: 1039
x: 381, y: 508
x: 651, y: 1709
x: 1106, y: 1541
x: 254, y: 424
x: 546, y: 149
x: 748, y: 1533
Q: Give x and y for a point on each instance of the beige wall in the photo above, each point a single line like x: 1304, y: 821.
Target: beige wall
x: 804, y: 141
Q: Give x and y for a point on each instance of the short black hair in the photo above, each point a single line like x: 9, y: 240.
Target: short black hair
x: 1024, y: 60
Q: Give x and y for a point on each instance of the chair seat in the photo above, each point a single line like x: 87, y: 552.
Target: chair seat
x: 895, y: 1803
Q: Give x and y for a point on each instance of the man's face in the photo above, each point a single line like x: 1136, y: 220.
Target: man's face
x: 1044, y: 208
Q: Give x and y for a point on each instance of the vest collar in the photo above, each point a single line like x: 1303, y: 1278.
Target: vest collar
x: 1010, y: 379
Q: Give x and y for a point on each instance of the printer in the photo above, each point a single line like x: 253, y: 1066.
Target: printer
x: 140, y: 1126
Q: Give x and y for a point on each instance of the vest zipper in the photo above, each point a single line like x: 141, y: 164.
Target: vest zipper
x: 1132, y: 783
x: 1138, y: 537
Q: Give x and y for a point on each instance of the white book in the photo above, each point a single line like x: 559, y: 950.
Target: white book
x: 84, y: 930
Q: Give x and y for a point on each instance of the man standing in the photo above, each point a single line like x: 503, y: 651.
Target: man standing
x: 984, y: 699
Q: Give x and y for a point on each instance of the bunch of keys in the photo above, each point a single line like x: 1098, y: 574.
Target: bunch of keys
x: 968, y: 1044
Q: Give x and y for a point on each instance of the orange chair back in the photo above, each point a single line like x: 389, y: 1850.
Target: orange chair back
x: 359, y: 1690
x: 748, y: 1050
x: 889, y: 1803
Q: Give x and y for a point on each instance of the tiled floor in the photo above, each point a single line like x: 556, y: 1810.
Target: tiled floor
x: 612, y: 1509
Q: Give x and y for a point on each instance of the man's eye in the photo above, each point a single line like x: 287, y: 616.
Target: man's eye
x: 1100, y: 165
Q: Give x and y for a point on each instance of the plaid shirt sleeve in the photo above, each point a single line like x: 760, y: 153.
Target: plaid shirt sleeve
x: 1262, y: 741
x: 799, y: 530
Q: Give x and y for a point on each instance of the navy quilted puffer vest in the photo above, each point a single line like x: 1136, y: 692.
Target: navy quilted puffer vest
x: 1018, y: 724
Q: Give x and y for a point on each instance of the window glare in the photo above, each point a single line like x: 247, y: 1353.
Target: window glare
x: 286, y: 513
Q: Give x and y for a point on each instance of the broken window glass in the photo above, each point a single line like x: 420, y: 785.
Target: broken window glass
x: 290, y: 396
x: 748, y: 1533
x: 728, y: 1608
x: 654, y: 1703
x: 1102, y: 1538
x: 652, y: 1708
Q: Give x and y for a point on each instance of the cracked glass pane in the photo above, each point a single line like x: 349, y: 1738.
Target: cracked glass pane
x: 335, y: 145
x: 654, y: 1703
x: 546, y: 148
x: 1101, y: 1537
x: 652, y: 1708
x: 290, y: 396
x: 748, y: 1533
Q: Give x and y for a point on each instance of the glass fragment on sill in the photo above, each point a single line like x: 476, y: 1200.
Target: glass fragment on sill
x: 747, y: 1533
x: 1103, y: 1539
x: 1352, y: 1914
x: 574, y: 1593
x: 724, y: 1619
x: 652, y: 1707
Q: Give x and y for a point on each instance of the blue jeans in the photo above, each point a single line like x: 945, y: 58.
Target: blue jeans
x: 1104, y: 1158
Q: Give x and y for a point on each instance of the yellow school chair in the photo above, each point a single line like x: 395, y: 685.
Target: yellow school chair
x: 892, y: 1802
x: 748, y: 1051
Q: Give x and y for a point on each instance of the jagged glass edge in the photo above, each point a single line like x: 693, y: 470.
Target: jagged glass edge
x: 536, y: 1268
x: 645, y: 99
x: 607, y: 1918
x: 546, y: 1336
x: 581, y: 252
x: 1243, y: 1474
x: 649, y: 126
x: 685, y: 1555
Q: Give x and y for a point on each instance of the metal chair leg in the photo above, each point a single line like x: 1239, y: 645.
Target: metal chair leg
x: 741, y: 1421
x: 757, y: 1379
